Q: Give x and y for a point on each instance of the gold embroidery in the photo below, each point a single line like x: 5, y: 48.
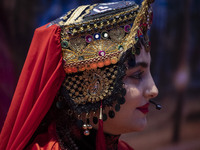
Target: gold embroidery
x: 94, y: 85
x: 86, y: 12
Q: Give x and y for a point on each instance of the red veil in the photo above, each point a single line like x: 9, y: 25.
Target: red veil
x: 38, y: 84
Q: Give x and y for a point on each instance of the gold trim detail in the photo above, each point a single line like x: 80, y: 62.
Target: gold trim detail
x: 86, y: 12
x: 140, y: 18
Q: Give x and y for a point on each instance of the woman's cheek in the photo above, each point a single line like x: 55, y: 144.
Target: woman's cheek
x: 133, y: 95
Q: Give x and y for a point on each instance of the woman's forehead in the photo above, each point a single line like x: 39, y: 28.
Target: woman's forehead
x: 143, y: 56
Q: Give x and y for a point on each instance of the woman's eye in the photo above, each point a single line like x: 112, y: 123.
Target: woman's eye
x: 137, y: 75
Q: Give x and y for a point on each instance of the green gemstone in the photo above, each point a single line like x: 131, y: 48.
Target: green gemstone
x: 120, y: 48
x: 64, y: 44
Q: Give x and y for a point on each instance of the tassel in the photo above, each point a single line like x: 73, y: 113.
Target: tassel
x: 100, y: 139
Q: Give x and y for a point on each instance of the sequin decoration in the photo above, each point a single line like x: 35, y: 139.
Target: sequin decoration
x: 88, y: 38
x: 117, y: 34
x: 102, y: 53
x: 64, y: 44
x: 97, y: 36
x: 127, y: 28
x: 105, y: 34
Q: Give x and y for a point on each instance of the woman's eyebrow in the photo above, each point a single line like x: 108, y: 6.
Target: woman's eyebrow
x: 138, y: 64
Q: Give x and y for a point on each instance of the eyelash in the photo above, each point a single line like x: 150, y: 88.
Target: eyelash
x: 137, y: 75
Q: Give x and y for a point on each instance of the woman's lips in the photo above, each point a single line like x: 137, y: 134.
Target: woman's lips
x: 144, y: 109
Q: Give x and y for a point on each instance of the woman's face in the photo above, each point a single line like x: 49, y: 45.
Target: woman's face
x: 140, y: 88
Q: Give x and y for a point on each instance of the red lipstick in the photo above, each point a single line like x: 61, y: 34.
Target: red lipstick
x: 144, y: 109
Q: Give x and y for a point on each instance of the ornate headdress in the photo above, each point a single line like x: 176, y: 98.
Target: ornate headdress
x: 96, y: 40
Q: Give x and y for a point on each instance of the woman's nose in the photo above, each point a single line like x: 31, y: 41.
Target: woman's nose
x: 151, y: 90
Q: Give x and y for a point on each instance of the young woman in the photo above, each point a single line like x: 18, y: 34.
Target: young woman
x: 86, y: 80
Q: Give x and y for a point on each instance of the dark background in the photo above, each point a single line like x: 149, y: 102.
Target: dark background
x: 175, y: 65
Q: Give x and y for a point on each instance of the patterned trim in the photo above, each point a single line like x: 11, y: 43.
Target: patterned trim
x: 87, y: 11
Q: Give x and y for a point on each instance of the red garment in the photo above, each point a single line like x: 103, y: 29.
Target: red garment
x: 48, y: 141
x: 40, y: 79
x: 38, y: 84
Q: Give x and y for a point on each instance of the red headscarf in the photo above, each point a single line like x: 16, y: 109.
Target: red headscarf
x: 38, y: 84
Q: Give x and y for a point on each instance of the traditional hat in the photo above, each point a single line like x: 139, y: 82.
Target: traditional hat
x: 93, y: 34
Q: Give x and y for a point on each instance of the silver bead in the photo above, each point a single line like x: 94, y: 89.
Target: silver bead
x: 86, y: 132
x: 89, y: 126
x: 84, y: 126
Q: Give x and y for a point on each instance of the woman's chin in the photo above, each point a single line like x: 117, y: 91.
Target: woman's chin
x: 141, y: 128
x: 141, y: 125
x: 137, y: 128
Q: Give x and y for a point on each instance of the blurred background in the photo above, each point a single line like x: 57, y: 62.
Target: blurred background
x: 175, y: 67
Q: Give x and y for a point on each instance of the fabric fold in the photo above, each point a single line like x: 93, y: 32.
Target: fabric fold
x: 40, y: 79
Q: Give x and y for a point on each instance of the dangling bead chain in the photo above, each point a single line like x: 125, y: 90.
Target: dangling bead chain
x: 87, y: 126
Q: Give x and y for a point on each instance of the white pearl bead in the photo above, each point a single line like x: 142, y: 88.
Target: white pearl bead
x: 85, y: 126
